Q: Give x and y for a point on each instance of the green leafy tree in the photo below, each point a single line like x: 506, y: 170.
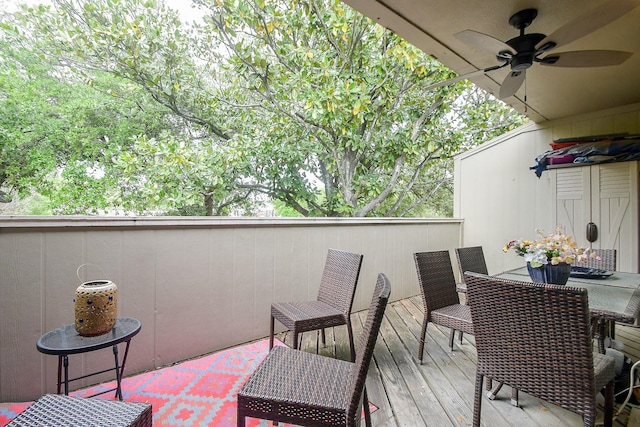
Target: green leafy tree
x: 305, y: 102
x: 57, y: 134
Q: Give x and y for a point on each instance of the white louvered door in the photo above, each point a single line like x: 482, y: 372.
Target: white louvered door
x: 606, y: 195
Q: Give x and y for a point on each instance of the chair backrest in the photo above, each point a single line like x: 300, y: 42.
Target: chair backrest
x: 471, y: 259
x: 607, y: 260
x: 339, y: 279
x: 436, y: 280
x: 535, y: 338
x: 366, y: 345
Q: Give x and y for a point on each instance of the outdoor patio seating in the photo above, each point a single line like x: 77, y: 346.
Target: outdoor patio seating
x: 607, y: 262
x: 309, y: 389
x: 62, y: 410
x: 536, y: 338
x: 439, y: 297
x: 332, y: 306
x: 471, y: 259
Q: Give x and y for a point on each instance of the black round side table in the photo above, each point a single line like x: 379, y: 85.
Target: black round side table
x: 65, y: 340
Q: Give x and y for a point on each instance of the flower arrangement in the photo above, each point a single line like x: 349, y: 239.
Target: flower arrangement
x: 552, y: 249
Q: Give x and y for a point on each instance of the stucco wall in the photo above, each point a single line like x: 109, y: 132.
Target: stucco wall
x: 501, y: 199
x: 198, y: 285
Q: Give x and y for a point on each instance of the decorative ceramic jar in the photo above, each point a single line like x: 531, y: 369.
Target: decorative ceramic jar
x: 96, y: 307
x: 551, y: 274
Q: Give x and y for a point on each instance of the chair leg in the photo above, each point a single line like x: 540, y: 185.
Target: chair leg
x: 514, y: 397
x: 452, y: 335
x: 271, y: 328
x: 352, y: 346
x: 460, y: 333
x: 422, y: 338
x: 493, y: 391
x: 477, y: 400
x: 241, y: 420
x: 295, y: 340
x: 608, y: 405
x: 365, y: 408
x: 612, y: 329
x: 601, y: 335
x: 324, y: 338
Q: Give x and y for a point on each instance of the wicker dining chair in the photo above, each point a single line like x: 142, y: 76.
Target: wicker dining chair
x: 439, y: 297
x: 471, y: 258
x: 606, y: 260
x: 308, y: 389
x: 536, y: 338
x: 332, y: 306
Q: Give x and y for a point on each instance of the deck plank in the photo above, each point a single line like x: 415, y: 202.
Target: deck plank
x: 420, y: 392
x: 383, y: 416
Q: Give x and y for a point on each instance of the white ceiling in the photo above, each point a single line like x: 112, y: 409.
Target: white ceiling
x: 551, y: 92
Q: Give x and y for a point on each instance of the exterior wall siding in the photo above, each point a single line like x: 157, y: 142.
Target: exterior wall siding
x: 501, y: 199
x: 198, y: 285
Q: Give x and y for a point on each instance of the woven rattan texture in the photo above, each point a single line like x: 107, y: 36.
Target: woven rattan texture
x: 309, y: 389
x: 607, y: 260
x: 333, y: 304
x: 54, y: 410
x: 536, y: 338
x: 471, y: 259
x: 439, y: 296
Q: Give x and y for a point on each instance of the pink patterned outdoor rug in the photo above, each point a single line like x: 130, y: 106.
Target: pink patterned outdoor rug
x: 199, y: 392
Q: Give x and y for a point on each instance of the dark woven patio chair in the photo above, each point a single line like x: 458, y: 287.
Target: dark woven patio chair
x: 471, y: 259
x: 439, y: 297
x: 536, y: 338
x: 311, y: 390
x: 332, y: 306
x: 607, y: 262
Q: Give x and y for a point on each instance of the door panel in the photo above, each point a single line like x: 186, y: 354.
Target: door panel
x: 614, y: 187
x: 607, y: 195
x: 572, y: 201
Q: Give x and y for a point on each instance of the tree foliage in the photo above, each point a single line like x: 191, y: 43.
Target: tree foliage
x: 304, y: 102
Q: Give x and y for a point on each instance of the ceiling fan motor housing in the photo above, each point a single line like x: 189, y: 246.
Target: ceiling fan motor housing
x: 525, y: 48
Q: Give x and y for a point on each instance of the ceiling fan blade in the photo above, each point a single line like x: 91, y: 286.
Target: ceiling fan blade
x: 483, y: 42
x: 586, y: 58
x: 589, y: 22
x: 511, y: 84
x: 464, y: 77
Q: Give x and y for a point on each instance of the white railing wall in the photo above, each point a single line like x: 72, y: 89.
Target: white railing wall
x: 197, y: 284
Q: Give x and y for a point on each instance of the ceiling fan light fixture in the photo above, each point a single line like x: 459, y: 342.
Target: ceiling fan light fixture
x: 521, y: 62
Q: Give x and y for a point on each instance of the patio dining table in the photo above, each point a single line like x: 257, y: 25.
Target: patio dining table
x: 616, y: 298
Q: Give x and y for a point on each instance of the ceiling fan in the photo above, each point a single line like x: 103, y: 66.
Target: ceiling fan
x: 523, y: 51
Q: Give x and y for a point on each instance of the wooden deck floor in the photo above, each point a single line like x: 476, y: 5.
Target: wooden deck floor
x: 439, y: 392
